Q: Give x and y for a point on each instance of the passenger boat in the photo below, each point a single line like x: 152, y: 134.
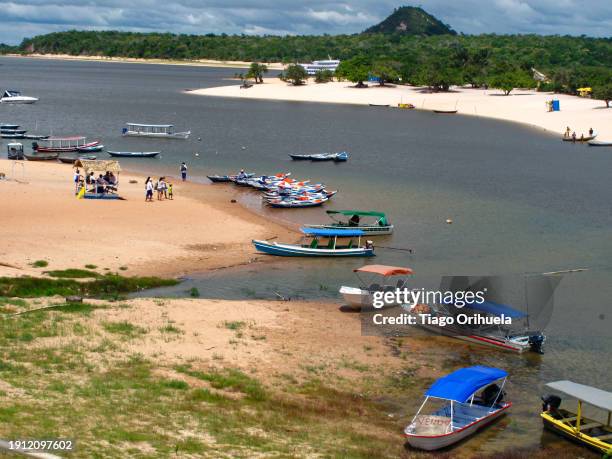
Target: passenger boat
x: 8, y: 126
x: 524, y: 334
x: 376, y: 225
x: 313, y: 249
x: 362, y: 297
x: 14, y: 151
x: 62, y: 144
x: 163, y: 131
x: 338, y: 157
x: 91, y: 149
x: 573, y: 425
x: 35, y: 136
x: 11, y: 135
x: 12, y: 96
x: 41, y: 156
x: 460, y: 404
x: 134, y: 154
x: 599, y: 143
x: 582, y: 138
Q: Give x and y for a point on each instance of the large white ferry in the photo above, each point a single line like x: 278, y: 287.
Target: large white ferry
x: 317, y: 66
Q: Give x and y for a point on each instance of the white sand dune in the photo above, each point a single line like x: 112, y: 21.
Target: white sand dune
x: 522, y: 106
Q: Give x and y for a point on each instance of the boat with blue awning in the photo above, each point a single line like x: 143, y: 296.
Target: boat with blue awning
x: 456, y: 406
x: 320, y: 242
x: 369, y: 221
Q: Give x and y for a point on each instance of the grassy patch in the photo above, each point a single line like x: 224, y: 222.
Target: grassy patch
x: 74, y: 273
x: 124, y: 328
x: 194, y: 292
x: 231, y: 379
x: 40, y: 264
x: 169, y: 328
x: 90, y: 266
x: 234, y: 325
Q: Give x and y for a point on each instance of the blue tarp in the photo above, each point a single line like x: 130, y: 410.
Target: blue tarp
x: 332, y: 232
x: 460, y: 385
x: 496, y: 309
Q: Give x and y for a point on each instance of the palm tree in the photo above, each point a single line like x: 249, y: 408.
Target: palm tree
x: 256, y: 71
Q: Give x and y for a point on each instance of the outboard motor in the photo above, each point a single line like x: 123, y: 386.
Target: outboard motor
x: 551, y: 403
x: 537, y: 342
x: 34, y: 146
x: 491, y: 393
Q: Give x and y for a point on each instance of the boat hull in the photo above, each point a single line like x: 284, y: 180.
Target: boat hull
x: 134, y: 154
x: 356, y: 297
x: 42, y: 157
x: 599, y: 143
x: 373, y: 230
x: 70, y: 148
x: 18, y: 100
x: 560, y: 428
x: 291, y: 250
x: 434, y: 442
x: 158, y: 135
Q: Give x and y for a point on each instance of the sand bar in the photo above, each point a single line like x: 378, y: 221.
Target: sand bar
x: 200, y: 229
x: 522, y: 106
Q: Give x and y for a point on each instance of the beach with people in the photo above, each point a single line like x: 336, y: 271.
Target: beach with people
x: 523, y: 106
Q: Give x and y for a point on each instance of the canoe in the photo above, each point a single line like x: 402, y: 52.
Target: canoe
x: 300, y: 157
x: 219, y: 178
x: 90, y: 149
x: 41, y: 156
x: 342, y: 156
x: 12, y: 131
x: 72, y: 159
x: 450, y: 112
x: 579, y: 139
x: 378, y: 105
x: 599, y: 143
x: 134, y: 154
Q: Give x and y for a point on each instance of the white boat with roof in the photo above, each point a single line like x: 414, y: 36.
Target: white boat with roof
x: 62, y: 144
x: 12, y: 96
x: 163, y: 131
x: 363, y: 296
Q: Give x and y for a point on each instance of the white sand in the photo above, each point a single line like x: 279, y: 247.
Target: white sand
x: 523, y: 106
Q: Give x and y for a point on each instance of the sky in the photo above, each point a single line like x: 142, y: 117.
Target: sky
x: 27, y: 18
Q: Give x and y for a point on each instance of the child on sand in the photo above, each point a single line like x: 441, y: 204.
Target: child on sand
x: 170, y: 195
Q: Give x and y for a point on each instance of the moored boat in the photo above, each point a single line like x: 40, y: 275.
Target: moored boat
x: 12, y: 131
x: 4, y: 126
x: 72, y: 159
x: 62, y: 144
x: 448, y: 112
x: 599, y: 143
x: 41, y: 156
x: 314, y: 249
x: 337, y: 157
x: 581, y: 138
x: 162, y: 131
x: 90, y: 148
x: 376, y: 223
x: 362, y: 297
x: 12, y: 96
x: 573, y: 424
x: 219, y: 178
x: 465, y: 401
x: 134, y: 154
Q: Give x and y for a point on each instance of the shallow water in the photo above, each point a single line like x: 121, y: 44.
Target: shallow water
x: 520, y: 200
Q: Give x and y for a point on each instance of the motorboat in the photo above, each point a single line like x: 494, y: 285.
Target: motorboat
x: 457, y: 406
x: 573, y: 424
x: 391, y: 278
x: 62, y: 144
x: 12, y: 96
x: 315, y: 249
x: 133, y: 154
x: 162, y: 131
x: 371, y: 222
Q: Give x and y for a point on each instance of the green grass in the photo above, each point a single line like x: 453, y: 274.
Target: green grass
x: 234, y: 325
x: 231, y: 379
x: 169, y: 328
x: 194, y: 292
x: 90, y: 266
x: 107, y: 286
x: 124, y: 328
x: 40, y: 264
x: 74, y: 273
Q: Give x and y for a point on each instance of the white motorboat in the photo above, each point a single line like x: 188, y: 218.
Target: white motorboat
x: 362, y: 297
x: 162, y: 131
x: 14, y: 97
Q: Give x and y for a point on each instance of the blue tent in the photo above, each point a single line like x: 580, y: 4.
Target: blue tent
x: 496, y: 309
x: 332, y: 232
x: 460, y: 385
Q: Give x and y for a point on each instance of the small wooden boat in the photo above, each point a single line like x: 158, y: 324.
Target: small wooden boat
x: 378, y: 105
x: 134, y: 154
x: 301, y: 157
x: 582, y: 138
x: 375, y: 224
x: 162, y: 131
x: 471, y: 400
x: 7, y: 135
x: 297, y: 203
x: 362, y: 297
x: 4, y: 126
x: 72, y: 159
x: 12, y: 131
x: 313, y: 249
x: 35, y: 136
x: 91, y: 149
x: 41, y: 156
x: 599, y: 143
x: 573, y: 425
x: 449, y: 112
x: 219, y: 178
x: 341, y: 156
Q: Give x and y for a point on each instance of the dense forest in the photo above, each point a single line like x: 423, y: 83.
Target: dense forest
x: 410, y: 45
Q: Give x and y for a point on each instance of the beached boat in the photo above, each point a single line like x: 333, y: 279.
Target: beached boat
x: 314, y: 249
x: 581, y: 138
x: 378, y: 105
x: 72, y: 159
x: 12, y: 96
x: 219, y: 178
x: 62, y: 144
x: 162, y: 131
x: 91, y: 148
x: 297, y: 203
x: 362, y: 297
x: 338, y: 157
x: 41, y: 156
x: 376, y: 224
x: 524, y: 334
x: 14, y: 151
x: 460, y: 404
x: 573, y: 425
x: 448, y: 112
x: 134, y: 154
x: 599, y: 143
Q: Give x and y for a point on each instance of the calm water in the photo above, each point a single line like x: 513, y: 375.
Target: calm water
x: 521, y: 201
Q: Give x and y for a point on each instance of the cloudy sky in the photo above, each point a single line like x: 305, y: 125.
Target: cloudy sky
x: 26, y: 18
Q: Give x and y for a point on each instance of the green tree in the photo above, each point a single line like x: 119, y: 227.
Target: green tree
x: 296, y: 74
x: 510, y: 79
x: 355, y: 70
x: 324, y: 76
x: 385, y: 72
x: 256, y: 71
x: 603, y: 92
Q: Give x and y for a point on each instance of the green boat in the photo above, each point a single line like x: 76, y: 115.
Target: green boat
x: 372, y: 223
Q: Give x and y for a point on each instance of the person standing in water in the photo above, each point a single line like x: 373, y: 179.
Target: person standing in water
x: 184, y: 171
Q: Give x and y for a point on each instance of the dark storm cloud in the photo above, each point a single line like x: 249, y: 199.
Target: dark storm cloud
x: 22, y: 18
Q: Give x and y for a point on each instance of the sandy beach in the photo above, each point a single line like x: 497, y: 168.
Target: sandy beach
x: 521, y: 106
x: 42, y: 220
x: 195, y: 63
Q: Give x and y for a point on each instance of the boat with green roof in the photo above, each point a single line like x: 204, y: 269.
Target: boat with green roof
x: 372, y: 223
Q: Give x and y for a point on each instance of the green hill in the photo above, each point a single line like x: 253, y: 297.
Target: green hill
x: 410, y: 20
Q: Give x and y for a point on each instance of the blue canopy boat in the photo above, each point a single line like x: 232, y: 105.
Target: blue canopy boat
x: 469, y: 399
x: 315, y: 249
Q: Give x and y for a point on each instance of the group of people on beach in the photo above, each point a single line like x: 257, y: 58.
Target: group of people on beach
x: 569, y: 133
x: 162, y: 187
x: 104, y: 183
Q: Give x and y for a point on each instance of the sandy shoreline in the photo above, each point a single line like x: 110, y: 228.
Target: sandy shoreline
x: 200, y: 229
x: 521, y: 106
x: 192, y: 63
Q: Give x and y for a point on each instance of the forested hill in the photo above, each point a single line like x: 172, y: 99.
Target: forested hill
x: 410, y: 20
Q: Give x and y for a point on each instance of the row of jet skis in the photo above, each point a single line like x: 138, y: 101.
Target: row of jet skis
x: 280, y: 190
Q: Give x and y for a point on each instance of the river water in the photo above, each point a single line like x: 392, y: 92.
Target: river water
x: 520, y: 200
